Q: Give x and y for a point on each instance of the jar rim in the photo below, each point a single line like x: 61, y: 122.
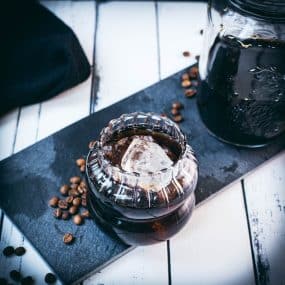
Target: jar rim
x: 118, y: 170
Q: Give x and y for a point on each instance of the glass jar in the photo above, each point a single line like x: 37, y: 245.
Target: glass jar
x: 148, y: 206
x: 242, y: 69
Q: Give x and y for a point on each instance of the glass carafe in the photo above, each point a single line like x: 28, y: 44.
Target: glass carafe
x: 242, y: 68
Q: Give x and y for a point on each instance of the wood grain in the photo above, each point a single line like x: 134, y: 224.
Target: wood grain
x: 265, y: 199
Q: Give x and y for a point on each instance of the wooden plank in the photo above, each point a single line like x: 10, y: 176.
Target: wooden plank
x: 143, y: 265
x: 126, y: 58
x: 214, y: 246
x: 179, y: 30
x: 126, y: 50
x: 265, y: 199
x: 40, y: 120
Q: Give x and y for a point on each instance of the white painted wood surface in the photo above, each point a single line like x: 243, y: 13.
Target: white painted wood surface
x: 137, y: 44
x: 265, y: 198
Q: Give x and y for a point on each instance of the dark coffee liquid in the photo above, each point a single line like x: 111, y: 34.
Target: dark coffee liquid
x: 242, y: 99
x: 118, y: 145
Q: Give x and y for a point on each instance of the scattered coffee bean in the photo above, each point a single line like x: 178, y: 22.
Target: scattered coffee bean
x: 80, y: 190
x: 85, y: 214
x: 15, y: 275
x: 62, y: 204
x: 73, y: 192
x: 53, y: 201
x: 193, y: 72
x: 177, y: 105
x: 175, y: 112
x: 83, y: 184
x: 92, y: 144
x: 27, y: 281
x: 73, y: 210
x: 8, y: 251
x: 82, y: 168
x: 163, y: 115
x: 186, y: 53
x: 65, y: 215
x: 19, y: 251
x: 64, y: 190
x: 57, y: 213
x: 75, y: 180
x: 77, y: 219
x: 69, y: 199
x: 80, y: 162
x: 3, y: 281
x: 190, y: 92
x: 76, y: 201
x: 201, y: 32
x: 68, y: 238
x: 185, y: 76
x: 83, y: 196
x: 50, y: 278
x: 186, y: 83
x: 83, y: 202
x: 177, y: 118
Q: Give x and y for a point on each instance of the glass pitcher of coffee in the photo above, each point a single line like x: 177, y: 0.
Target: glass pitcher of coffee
x: 242, y: 69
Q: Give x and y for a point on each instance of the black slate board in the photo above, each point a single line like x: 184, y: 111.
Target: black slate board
x: 29, y: 178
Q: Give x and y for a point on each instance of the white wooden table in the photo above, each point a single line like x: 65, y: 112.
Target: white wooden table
x: 236, y: 238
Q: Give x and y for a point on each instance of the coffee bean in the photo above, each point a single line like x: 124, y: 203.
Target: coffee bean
x: 163, y: 115
x: 92, y: 144
x: 201, y: 32
x: 77, y: 219
x: 83, y: 196
x: 64, y: 190
x: 62, y: 204
x: 80, y: 190
x: 53, y: 201
x: 3, y: 281
x: 65, y: 215
x: 190, y: 92
x: 185, y: 76
x: 177, y: 118
x: 84, y: 203
x: 73, y: 192
x: 27, y: 281
x: 15, y: 275
x: 85, y: 214
x: 50, y: 278
x: 57, y: 213
x: 83, y: 184
x: 80, y: 162
x: 68, y: 238
x: 19, y: 251
x: 197, y: 57
x: 186, y: 83
x: 82, y: 168
x: 186, y: 53
x: 177, y: 105
x: 75, y: 180
x: 69, y: 199
x: 73, y: 210
x: 193, y: 72
x: 8, y: 251
x: 76, y: 201
x: 175, y: 112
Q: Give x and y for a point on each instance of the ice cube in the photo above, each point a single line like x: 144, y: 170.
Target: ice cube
x: 144, y: 156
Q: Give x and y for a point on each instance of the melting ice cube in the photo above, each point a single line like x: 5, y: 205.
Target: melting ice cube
x: 144, y: 156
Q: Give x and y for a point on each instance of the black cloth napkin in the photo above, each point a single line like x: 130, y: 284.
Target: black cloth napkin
x: 40, y: 56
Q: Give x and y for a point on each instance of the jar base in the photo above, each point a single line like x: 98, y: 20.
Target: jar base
x: 143, y: 232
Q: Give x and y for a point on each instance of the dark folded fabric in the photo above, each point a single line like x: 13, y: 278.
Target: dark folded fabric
x: 40, y: 56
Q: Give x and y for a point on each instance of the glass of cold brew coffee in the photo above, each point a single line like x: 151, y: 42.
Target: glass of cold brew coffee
x: 142, y: 176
